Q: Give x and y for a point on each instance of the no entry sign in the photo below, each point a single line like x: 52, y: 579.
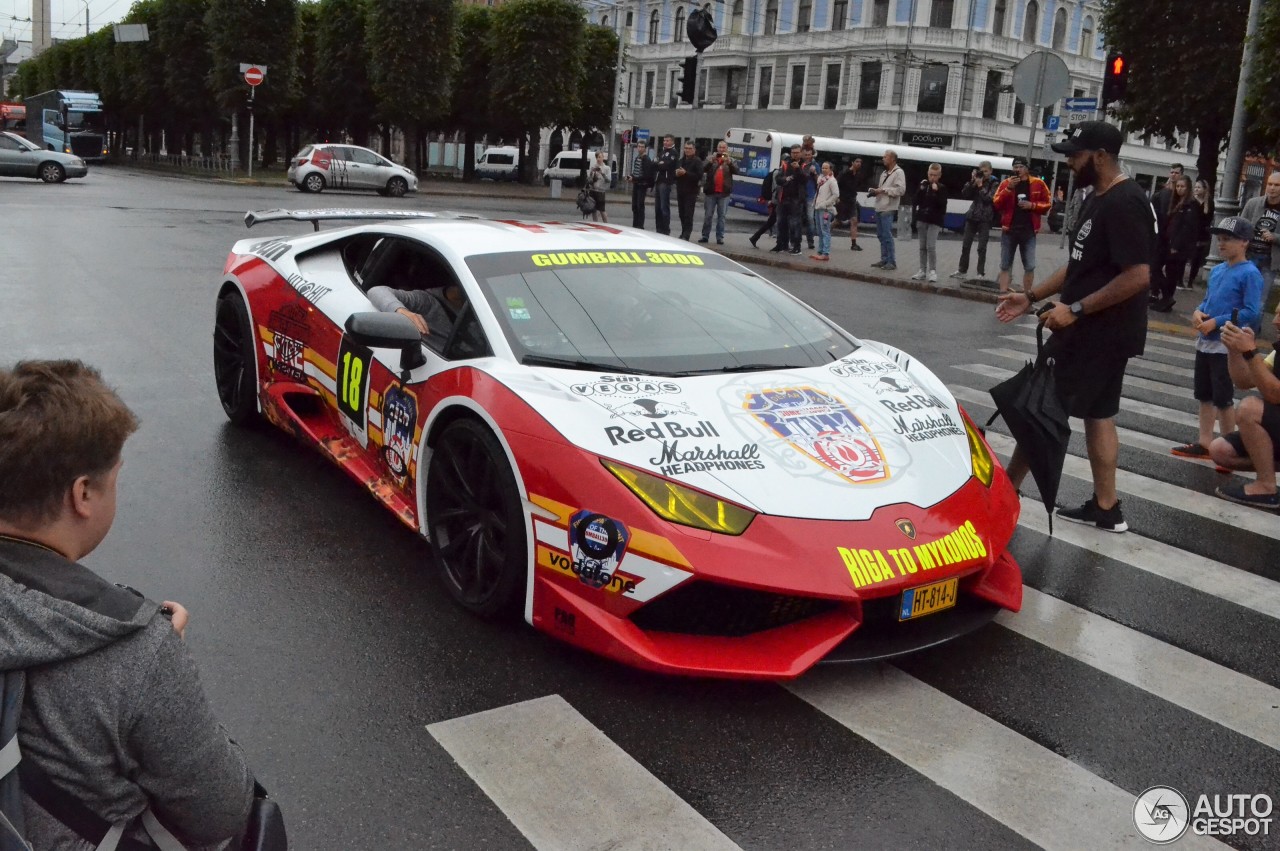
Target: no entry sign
x: 253, y: 75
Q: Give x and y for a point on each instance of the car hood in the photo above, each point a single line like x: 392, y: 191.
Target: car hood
x: 831, y: 442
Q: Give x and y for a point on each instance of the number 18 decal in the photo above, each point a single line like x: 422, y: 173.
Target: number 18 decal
x: 354, y: 362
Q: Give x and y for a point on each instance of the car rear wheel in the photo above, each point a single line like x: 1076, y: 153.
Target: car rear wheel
x: 397, y: 186
x: 313, y: 183
x: 233, y: 360
x: 476, y: 520
x: 52, y: 173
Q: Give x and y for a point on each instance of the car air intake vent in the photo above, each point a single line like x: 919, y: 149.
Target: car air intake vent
x: 707, y: 608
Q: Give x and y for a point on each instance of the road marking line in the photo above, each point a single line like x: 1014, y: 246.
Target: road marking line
x: 1199, y: 504
x: 1153, y: 365
x: 1149, y: 348
x: 999, y: 771
x: 1133, y: 406
x: 1184, y: 679
x: 1130, y: 380
x: 1128, y: 437
x: 528, y: 756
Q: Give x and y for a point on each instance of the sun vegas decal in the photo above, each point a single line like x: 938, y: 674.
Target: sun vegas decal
x: 399, y: 415
x: 626, y: 385
x: 597, y: 545
x: 675, y: 460
x: 291, y: 332
x: 309, y: 290
x: 653, y: 409
x: 854, y: 367
x: 823, y: 428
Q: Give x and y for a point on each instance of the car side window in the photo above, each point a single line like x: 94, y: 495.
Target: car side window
x: 468, y: 339
x: 364, y: 157
x: 9, y: 144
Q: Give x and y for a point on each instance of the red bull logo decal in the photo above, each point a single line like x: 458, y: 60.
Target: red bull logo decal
x: 821, y: 426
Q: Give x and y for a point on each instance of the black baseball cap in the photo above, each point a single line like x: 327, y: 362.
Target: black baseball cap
x: 1092, y: 136
x: 1020, y: 161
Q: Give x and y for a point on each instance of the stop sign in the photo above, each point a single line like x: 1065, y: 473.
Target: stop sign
x: 253, y: 75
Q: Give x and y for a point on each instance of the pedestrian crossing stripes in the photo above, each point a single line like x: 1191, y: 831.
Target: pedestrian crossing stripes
x: 1129, y: 666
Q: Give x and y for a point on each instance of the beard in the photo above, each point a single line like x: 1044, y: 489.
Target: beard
x: 1087, y: 173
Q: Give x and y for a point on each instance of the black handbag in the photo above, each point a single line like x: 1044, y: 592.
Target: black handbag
x: 265, y: 830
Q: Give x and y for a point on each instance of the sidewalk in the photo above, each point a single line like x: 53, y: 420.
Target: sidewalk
x: 856, y: 265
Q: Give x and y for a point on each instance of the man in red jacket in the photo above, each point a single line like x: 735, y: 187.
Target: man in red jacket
x: 1020, y: 202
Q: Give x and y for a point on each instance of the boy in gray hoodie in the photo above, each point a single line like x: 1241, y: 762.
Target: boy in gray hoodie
x: 113, y: 713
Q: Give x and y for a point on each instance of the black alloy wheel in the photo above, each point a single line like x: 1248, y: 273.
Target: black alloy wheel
x: 397, y: 186
x: 476, y: 520
x: 313, y: 182
x: 233, y: 360
x: 52, y: 173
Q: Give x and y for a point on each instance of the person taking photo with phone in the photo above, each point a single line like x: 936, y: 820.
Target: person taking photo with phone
x: 1020, y: 201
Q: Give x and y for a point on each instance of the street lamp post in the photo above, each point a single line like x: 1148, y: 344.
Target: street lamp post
x: 617, y: 83
x: 1228, y: 201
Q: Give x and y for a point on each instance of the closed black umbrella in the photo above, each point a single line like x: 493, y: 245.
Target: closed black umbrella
x: 1032, y: 409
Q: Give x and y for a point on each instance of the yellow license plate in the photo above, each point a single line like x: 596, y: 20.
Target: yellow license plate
x: 927, y: 599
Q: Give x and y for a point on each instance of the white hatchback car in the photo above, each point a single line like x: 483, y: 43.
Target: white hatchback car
x: 319, y: 167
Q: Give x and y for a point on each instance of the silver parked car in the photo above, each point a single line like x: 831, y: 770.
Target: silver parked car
x: 20, y: 158
x: 319, y: 167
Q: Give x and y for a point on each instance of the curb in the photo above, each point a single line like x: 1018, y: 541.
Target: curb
x: 965, y: 293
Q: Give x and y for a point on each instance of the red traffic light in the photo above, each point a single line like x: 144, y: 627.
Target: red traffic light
x: 1117, y: 66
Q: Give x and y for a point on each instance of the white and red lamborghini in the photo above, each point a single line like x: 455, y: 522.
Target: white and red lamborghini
x: 646, y: 448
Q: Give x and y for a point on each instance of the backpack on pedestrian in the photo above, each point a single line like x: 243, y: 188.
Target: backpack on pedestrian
x: 586, y: 203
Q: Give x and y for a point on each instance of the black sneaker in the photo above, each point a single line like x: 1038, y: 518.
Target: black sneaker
x: 1110, y: 520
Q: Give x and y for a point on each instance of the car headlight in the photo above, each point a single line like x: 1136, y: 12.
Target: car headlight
x: 681, y: 504
x: 984, y: 467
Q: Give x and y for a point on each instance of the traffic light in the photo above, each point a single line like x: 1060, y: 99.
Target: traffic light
x: 1115, y: 78
x: 688, y: 78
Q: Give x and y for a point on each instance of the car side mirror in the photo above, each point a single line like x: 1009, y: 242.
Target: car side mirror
x: 388, y: 331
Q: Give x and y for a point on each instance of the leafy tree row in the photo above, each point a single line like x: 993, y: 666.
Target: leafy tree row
x: 341, y: 68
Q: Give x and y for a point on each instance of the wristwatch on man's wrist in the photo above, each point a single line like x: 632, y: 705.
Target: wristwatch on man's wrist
x: 1077, y: 309
x: 1249, y: 354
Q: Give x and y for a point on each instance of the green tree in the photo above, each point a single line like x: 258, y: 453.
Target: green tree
x: 304, y: 116
x: 1190, y: 40
x: 411, y: 52
x: 259, y: 31
x: 343, y: 93
x: 182, y: 40
x: 538, y: 47
x: 599, y: 76
x: 1263, y: 105
x: 470, y: 103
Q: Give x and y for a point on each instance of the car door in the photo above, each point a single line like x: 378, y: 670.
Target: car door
x: 359, y: 171
x: 16, y: 160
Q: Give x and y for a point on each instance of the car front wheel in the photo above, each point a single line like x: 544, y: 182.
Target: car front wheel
x: 52, y: 173
x: 397, y: 186
x: 476, y: 520
x: 313, y: 183
x: 233, y: 360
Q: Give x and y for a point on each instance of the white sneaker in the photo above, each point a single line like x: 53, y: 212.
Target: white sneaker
x: 918, y: 276
x: 933, y: 276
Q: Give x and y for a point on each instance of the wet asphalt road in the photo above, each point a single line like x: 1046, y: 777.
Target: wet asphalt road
x: 327, y: 645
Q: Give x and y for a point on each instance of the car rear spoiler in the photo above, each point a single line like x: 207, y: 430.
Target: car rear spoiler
x: 254, y: 217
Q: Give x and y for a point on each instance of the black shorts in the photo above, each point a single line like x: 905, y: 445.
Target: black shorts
x: 599, y: 196
x: 1089, y: 383
x: 1213, y: 380
x: 1270, y: 424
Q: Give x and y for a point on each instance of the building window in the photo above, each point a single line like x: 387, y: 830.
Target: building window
x: 869, y: 87
x: 702, y: 86
x: 635, y: 97
x: 1086, y: 38
x: 604, y: 20
x: 1060, y: 29
x: 650, y: 82
x: 1031, y: 23
x: 732, y: 82
x: 933, y: 88
x: 880, y: 13
x: 991, y: 96
x: 940, y: 14
x: 797, y: 86
x: 1019, y: 111
x: 653, y: 27
x: 839, y: 14
x: 678, y: 35
x: 831, y: 90
x: 804, y: 16
x: 766, y: 87
x: 737, y: 24
x: 673, y: 93
x: 998, y: 20
x: 771, y: 17
x: 630, y: 18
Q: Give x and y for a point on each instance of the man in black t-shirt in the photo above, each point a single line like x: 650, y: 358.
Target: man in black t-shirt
x: 1100, y: 320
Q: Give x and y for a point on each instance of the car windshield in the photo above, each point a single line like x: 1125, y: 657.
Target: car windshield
x: 666, y: 313
x: 30, y: 146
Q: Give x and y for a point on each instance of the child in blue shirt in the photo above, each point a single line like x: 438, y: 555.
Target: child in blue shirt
x: 1234, y: 295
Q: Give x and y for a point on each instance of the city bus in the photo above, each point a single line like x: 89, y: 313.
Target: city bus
x: 758, y: 152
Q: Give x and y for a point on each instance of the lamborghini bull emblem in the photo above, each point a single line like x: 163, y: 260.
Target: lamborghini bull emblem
x: 907, y: 528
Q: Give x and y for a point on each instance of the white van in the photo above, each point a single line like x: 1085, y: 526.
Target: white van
x: 501, y: 163
x: 566, y: 166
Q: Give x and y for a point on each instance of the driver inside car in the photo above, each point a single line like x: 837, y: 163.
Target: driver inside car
x: 432, y: 311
